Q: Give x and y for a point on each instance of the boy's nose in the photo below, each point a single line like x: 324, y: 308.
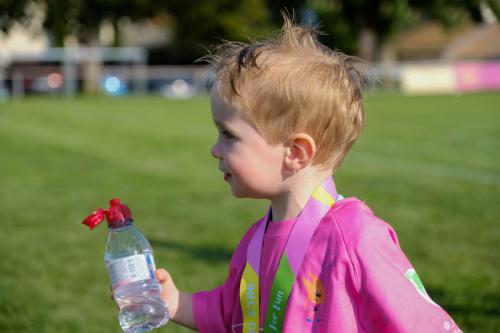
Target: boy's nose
x: 216, y: 152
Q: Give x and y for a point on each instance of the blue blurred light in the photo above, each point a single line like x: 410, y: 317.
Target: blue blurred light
x: 114, y: 86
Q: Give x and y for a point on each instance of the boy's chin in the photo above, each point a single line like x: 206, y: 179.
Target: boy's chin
x: 246, y: 195
x: 241, y: 193
x: 238, y: 194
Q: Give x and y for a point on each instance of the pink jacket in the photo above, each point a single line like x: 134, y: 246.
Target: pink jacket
x: 354, y: 278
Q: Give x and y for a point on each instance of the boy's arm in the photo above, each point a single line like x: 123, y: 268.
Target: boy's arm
x: 393, y: 296
x: 208, y: 311
x: 180, y: 304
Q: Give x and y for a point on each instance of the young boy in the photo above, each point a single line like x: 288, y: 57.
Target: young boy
x: 287, y: 111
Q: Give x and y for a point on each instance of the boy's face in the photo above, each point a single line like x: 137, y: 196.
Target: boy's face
x: 251, y: 166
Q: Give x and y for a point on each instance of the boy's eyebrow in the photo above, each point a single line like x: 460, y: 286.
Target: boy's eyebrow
x: 223, y: 127
x: 219, y: 124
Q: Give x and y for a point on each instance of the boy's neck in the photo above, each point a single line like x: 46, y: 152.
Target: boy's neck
x: 298, y: 189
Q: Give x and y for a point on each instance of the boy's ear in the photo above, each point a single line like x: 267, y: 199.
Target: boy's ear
x: 299, y: 152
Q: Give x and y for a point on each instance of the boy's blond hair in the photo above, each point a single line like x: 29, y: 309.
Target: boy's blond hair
x: 293, y: 83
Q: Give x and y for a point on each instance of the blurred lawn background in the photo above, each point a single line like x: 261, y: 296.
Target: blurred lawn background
x: 430, y: 166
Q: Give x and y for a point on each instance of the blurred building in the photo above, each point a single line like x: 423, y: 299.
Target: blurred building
x: 426, y: 41
x: 432, y: 41
x: 28, y: 37
x: 464, y: 59
x: 479, y: 42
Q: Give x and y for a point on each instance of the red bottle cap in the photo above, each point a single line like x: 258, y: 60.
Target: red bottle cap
x: 117, y: 212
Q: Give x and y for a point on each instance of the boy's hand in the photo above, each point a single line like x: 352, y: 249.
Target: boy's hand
x: 180, y: 304
x: 169, y: 292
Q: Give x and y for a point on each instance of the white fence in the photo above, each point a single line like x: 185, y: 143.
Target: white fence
x: 62, y: 70
x: 119, y: 71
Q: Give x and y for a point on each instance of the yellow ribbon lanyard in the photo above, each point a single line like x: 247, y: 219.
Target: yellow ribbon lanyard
x: 322, y: 199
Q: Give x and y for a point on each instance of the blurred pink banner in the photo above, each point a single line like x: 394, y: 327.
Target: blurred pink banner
x: 475, y: 76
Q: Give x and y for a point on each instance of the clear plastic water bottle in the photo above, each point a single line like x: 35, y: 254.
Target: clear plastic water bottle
x: 130, y: 263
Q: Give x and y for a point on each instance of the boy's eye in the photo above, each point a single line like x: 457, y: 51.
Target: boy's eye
x: 226, y: 134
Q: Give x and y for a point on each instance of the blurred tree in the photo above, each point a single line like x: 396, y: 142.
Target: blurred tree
x: 449, y: 12
x: 82, y: 18
x: 12, y: 11
x: 353, y: 26
x: 361, y: 26
x: 199, y: 24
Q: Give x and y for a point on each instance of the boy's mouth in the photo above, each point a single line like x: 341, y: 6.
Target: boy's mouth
x: 227, y: 175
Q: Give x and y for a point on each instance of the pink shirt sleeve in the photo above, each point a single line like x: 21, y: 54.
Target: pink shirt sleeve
x: 392, y: 297
x: 213, y: 310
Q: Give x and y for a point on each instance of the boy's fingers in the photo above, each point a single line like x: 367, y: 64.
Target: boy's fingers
x: 161, y: 274
x: 112, y: 296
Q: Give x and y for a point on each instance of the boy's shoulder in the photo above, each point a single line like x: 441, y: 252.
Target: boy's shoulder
x: 356, y: 223
x: 349, y: 221
x: 369, y: 242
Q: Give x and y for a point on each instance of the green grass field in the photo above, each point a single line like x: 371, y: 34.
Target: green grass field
x: 430, y: 166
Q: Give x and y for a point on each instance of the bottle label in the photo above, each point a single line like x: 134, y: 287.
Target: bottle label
x: 130, y: 269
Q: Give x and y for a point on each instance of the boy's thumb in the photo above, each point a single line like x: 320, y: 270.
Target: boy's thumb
x: 162, y: 275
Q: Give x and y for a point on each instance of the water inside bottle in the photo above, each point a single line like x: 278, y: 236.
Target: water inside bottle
x: 141, y: 308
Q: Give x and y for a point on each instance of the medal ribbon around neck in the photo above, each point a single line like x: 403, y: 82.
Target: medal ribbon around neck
x: 320, y: 202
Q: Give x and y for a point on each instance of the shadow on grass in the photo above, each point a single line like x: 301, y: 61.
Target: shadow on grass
x: 465, y: 308
x: 211, y: 254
